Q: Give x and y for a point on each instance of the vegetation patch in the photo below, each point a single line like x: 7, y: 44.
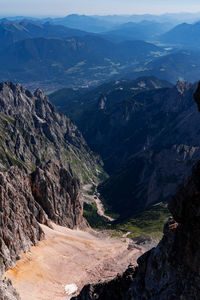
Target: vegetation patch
x: 146, y: 224
x: 149, y: 222
x: 93, y: 218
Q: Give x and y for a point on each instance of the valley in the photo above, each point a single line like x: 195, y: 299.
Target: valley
x: 152, y: 126
x: 99, y: 157
x: 50, y: 54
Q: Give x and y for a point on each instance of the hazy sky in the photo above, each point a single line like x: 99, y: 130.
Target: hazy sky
x: 64, y: 7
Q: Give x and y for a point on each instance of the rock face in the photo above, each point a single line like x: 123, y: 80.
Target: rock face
x: 115, y: 289
x: 7, y: 292
x: 172, y: 270
x: 169, y: 149
x: 32, y: 132
x: 18, y: 217
x: 44, y: 195
x: 58, y: 193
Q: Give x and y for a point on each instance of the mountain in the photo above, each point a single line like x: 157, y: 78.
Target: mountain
x: 152, y: 126
x: 73, y: 61
x: 54, y: 56
x: 109, y: 112
x: 145, y: 31
x: 173, y: 18
x: 69, y: 100
x: 11, y: 32
x: 177, y: 65
x: 34, y: 132
x: 170, y: 148
x: 184, y: 34
x: 82, y: 22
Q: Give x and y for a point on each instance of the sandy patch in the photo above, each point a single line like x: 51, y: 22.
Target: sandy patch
x: 69, y: 256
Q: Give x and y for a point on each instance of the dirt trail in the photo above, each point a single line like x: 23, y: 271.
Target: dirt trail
x: 69, y: 256
x: 95, y: 198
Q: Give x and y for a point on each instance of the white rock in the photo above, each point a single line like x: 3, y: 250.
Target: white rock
x: 71, y: 289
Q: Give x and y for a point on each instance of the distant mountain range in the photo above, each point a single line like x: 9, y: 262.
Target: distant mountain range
x: 184, y: 34
x: 145, y: 31
x: 42, y: 53
x: 99, y: 24
x: 178, y: 65
x: 11, y: 32
x: 54, y: 54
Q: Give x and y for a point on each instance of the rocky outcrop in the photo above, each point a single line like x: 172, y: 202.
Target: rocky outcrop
x: 172, y: 269
x: 44, y: 195
x: 19, y: 229
x: 27, y: 200
x: 114, y: 289
x: 32, y: 132
x: 7, y: 292
x: 58, y: 193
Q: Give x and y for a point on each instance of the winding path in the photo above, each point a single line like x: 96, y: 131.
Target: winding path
x: 95, y: 198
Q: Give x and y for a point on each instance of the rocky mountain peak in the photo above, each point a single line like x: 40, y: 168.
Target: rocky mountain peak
x: 183, y: 86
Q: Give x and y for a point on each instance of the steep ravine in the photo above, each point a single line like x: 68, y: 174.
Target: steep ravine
x: 147, y: 132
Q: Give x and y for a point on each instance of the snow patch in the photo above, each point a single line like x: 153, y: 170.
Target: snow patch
x: 71, y: 289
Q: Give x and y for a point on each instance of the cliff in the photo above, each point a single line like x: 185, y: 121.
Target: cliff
x: 26, y: 200
x: 32, y: 132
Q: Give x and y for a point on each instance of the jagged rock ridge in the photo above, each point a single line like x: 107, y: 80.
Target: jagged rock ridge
x: 32, y: 132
